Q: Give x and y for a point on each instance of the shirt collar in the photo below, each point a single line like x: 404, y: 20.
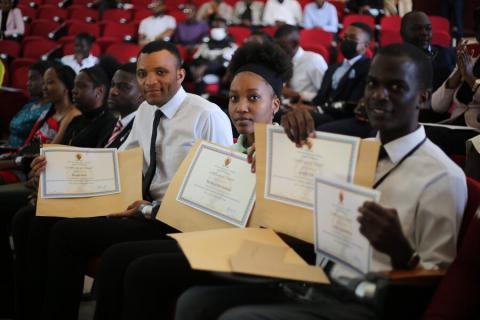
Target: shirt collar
x: 170, y: 108
x: 298, y: 54
x: 352, y: 61
x: 126, y: 120
x: 398, y: 148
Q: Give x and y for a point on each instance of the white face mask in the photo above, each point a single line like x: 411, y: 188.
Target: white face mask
x: 218, y: 34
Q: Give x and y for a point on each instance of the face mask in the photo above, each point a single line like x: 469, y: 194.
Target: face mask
x: 218, y: 34
x: 348, y: 48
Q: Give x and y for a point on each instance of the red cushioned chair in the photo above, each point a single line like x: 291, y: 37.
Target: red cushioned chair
x: 36, y: 48
x: 340, y: 6
x: 391, y: 23
x: 441, y: 38
x: 28, y: 12
x: 75, y: 27
x: 315, y: 36
x: 51, y: 2
x: 123, y: 52
x: 440, y: 24
x: 119, y: 30
x: 83, y: 3
x: 367, y: 19
x: 82, y: 13
x: 43, y: 27
x: 318, y: 48
x: 178, y: 15
x: 52, y: 12
x: 457, y: 296
x: 10, y: 48
x: 239, y: 34
x: 117, y: 15
x: 389, y: 36
x: 140, y: 14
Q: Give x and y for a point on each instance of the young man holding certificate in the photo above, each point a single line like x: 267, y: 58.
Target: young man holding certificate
x: 165, y: 126
x: 414, y: 225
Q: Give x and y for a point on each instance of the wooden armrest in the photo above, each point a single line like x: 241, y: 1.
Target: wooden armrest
x: 415, y: 277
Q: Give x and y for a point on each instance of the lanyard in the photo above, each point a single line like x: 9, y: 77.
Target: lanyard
x: 385, y: 176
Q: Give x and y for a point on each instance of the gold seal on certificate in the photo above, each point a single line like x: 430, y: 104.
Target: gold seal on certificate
x: 79, y: 172
x: 219, y: 182
x: 337, y: 234
x: 290, y: 171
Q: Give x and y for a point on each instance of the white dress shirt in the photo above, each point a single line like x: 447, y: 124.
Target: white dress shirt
x: 429, y: 192
x: 240, y: 7
x: 88, y: 62
x: 308, y: 71
x: 289, y: 12
x: 324, y: 17
x: 153, y: 26
x: 188, y: 117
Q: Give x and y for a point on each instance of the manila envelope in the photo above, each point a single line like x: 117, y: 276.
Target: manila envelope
x: 130, y: 167
x: 291, y: 220
x: 252, y: 251
x: 181, y: 216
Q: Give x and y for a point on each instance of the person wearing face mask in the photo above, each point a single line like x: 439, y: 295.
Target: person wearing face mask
x: 159, y: 26
x: 211, y: 58
x: 344, y: 83
x: 320, y: 14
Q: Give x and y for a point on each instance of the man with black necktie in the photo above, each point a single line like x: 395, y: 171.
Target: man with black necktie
x: 166, y: 127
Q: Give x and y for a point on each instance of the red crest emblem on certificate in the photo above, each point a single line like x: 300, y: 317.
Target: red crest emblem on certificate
x: 341, y: 196
x: 78, y: 156
x: 227, y: 162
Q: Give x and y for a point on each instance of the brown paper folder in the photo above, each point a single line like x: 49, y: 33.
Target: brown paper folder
x: 181, y: 216
x: 130, y: 166
x: 249, y: 250
x: 295, y: 221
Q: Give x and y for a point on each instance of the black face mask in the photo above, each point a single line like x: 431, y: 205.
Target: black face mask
x: 348, y: 48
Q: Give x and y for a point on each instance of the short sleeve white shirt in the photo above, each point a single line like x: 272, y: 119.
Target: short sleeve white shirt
x: 153, y: 26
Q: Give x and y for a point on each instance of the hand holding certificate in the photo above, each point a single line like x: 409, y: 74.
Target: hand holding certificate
x: 219, y: 182
x: 290, y: 171
x: 337, y: 233
x: 79, y: 172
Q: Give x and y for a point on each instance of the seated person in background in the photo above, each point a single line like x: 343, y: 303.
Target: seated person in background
x: 278, y: 12
x: 192, y: 31
x: 11, y: 20
x: 248, y: 12
x: 415, y: 228
x: 49, y: 127
x: 124, y: 98
x: 159, y: 26
x: 103, y: 5
x: 344, y: 83
x: 308, y: 67
x: 320, y: 14
x: 214, y: 10
x: 259, y: 71
x: 23, y: 121
x: 82, y: 57
x: 397, y: 7
x: 211, y: 59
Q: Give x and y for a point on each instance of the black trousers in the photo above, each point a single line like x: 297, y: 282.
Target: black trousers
x: 269, y: 302
x: 142, y: 280
x: 56, y: 253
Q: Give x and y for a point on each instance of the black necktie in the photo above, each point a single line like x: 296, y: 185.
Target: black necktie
x: 147, y: 179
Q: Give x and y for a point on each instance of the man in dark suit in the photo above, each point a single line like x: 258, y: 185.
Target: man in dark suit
x: 344, y: 83
x: 124, y: 98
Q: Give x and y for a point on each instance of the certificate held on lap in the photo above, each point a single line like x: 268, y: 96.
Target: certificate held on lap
x: 79, y: 172
x: 219, y: 183
x: 337, y: 231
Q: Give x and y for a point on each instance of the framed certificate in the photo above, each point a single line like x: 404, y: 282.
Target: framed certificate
x: 337, y: 234
x: 79, y: 172
x: 290, y: 171
x: 219, y: 182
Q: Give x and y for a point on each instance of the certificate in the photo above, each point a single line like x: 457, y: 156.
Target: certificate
x: 337, y: 231
x: 79, y: 172
x: 290, y: 171
x: 219, y: 182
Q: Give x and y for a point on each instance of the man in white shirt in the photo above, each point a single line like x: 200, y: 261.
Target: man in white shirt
x: 166, y: 126
x: 157, y: 27
x: 308, y: 67
x: 414, y: 225
x: 278, y: 12
x: 82, y: 58
x: 320, y: 14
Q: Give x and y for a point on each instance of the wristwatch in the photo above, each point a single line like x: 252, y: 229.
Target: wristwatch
x: 476, y: 85
x: 149, y: 211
